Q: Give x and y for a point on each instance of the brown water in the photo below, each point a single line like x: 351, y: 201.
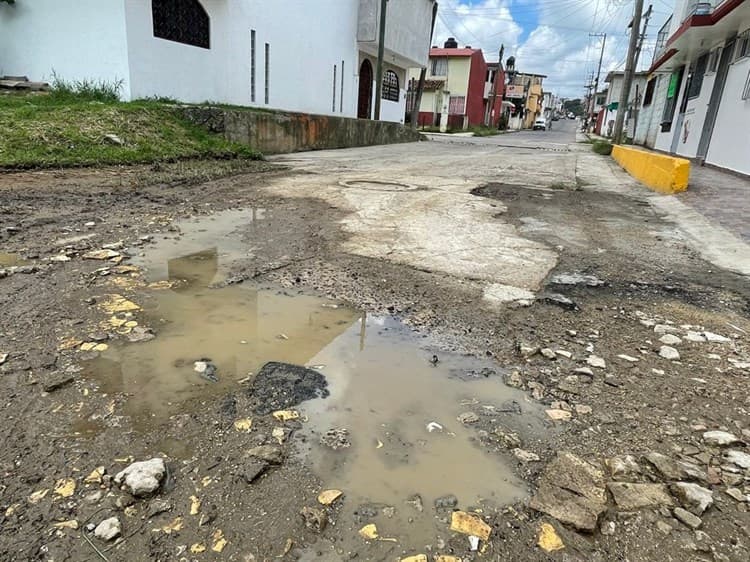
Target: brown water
x: 384, y: 388
x: 11, y: 260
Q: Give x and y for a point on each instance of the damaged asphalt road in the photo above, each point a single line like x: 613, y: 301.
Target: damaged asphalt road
x: 605, y: 385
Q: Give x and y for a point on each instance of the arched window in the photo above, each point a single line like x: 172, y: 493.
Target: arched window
x: 183, y: 21
x: 390, y: 86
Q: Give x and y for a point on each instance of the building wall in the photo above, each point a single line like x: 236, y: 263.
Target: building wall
x: 664, y: 140
x: 407, y: 32
x: 475, y: 96
x: 296, y: 80
x: 695, y: 115
x: 729, y: 144
x: 457, y: 82
x: 649, y: 116
x: 77, y: 39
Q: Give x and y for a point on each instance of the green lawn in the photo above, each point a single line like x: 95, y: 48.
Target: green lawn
x: 64, y: 128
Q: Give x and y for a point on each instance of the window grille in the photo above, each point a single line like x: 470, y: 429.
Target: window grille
x: 390, y: 86
x: 439, y: 66
x: 457, y: 105
x: 182, y: 21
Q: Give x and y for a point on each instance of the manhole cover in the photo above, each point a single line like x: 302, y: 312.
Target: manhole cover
x: 379, y: 185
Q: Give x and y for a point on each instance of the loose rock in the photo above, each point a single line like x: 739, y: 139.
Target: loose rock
x: 109, y: 529
x: 525, y: 456
x: 468, y: 418
x: 693, y: 497
x: 280, y: 386
x: 719, y: 438
x: 687, y: 518
x: 142, y: 478
x: 572, y: 491
x: 470, y: 524
x: 315, y: 519
x: 623, y: 467
x: 270, y: 453
x: 336, y: 438
x: 738, y: 457
x: 670, y: 339
x: 596, y: 361
x: 629, y: 496
x: 669, y: 353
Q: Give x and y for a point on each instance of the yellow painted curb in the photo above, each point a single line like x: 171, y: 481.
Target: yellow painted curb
x: 660, y: 172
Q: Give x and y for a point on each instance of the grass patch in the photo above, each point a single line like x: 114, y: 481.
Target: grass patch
x: 481, y: 131
x: 73, y: 124
x: 602, y: 147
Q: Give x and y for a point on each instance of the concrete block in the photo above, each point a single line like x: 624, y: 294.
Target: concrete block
x: 659, y: 172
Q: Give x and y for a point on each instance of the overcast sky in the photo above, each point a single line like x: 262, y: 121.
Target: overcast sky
x: 550, y: 36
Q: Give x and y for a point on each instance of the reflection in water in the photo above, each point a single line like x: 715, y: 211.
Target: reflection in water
x: 238, y: 327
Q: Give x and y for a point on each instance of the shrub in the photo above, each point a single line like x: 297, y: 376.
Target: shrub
x: 602, y: 147
x: 85, y: 90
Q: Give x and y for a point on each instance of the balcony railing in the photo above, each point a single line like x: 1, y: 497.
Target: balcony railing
x: 699, y: 9
x: 661, y: 38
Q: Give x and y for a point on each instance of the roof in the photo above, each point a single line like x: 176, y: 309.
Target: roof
x: 612, y: 73
x: 439, y: 52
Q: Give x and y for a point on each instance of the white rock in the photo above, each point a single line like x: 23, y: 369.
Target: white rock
x: 142, y: 478
x: 715, y: 338
x: 693, y: 497
x: 657, y: 371
x: 498, y: 293
x: 563, y: 353
x: 738, y: 457
x: 548, y: 353
x: 664, y: 329
x: 108, y: 530
x: 719, y: 438
x: 596, y: 361
x: 695, y: 337
x: 714, y: 356
x: 628, y: 358
x: 669, y: 353
x: 584, y: 371
x: 670, y: 339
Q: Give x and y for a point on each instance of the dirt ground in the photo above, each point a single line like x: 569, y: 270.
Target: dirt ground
x: 60, y: 425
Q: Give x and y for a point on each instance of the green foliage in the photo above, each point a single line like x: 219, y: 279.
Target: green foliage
x: 602, y: 147
x: 85, y: 90
x: 81, y: 126
x: 8, y: 1
x: 575, y: 106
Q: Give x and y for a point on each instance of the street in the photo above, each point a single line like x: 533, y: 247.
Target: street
x: 508, y: 322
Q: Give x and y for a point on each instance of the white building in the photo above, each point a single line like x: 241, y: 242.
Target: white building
x: 308, y: 56
x: 697, y: 100
x: 615, y: 81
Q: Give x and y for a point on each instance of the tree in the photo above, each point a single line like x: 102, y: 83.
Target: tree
x: 8, y: 1
x: 573, y: 106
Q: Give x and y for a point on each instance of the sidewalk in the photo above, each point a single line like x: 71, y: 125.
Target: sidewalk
x: 721, y: 197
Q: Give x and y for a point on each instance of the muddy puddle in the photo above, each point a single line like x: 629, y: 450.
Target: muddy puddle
x: 409, y: 415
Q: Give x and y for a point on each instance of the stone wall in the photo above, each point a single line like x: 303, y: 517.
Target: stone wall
x: 279, y: 132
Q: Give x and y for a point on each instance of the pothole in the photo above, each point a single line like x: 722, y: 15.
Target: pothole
x: 379, y: 185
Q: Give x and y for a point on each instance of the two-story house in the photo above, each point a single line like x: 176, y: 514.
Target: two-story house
x: 456, y: 82
x: 609, y: 109
x: 697, y: 101
x: 314, y: 57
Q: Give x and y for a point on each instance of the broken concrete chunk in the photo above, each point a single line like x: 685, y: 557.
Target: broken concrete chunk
x: 667, y: 467
x: 548, y: 353
x: 715, y: 338
x: 100, y: 255
x: 719, y: 438
x: 470, y: 524
x: 253, y: 469
x: 327, y: 497
x: 629, y: 496
x: 693, y: 497
x: 736, y: 494
x: 525, y: 456
x: 109, y: 529
x: 572, y: 491
x: 670, y: 339
x: 142, y: 478
x: 559, y: 415
x: 576, y: 279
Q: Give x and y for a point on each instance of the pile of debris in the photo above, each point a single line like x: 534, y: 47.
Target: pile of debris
x: 22, y: 83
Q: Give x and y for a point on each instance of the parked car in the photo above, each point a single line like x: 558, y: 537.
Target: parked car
x: 571, y: 115
x: 540, y: 124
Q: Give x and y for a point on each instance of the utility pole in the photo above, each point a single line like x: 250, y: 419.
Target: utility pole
x: 417, y: 99
x: 598, y: 71
x: 636, y: 111
x: 492, y: 98
x: 381, y: 54
x: 622, y: 106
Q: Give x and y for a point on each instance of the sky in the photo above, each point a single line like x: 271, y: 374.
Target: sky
x: 551, y: 37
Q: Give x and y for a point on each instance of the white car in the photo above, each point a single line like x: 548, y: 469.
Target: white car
x: 540, y: 124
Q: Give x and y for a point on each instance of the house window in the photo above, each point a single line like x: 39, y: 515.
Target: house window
x: 183, y: 21
x: 439, y: 66
x: 743, y: 45
x: 341, y: 97
x: 268, y: 71
x: 713, y: 60
x: 648, y: 97
x: 746, y: 91
x: 390, y: 86
x: 696, y: 80
x: 252, y: 65
x: 456, y: 105
x: 333, y: 104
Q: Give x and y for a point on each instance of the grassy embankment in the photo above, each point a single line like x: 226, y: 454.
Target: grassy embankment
x: 85, y: 124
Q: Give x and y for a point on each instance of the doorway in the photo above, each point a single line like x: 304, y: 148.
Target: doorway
x: 715, y: 100
x: 365, y: 90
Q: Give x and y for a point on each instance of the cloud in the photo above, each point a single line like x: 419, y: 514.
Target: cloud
x: 548, y: 36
